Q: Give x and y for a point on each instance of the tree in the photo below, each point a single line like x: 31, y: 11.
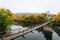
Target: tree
x: 6, y: 20
x: 36, y: 18
x: 57, y: 19
x: 27, y: 18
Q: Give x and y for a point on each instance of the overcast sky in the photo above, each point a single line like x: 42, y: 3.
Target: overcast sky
x: 31, y: 6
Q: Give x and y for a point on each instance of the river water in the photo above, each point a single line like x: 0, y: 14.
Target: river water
x: 39, y: 35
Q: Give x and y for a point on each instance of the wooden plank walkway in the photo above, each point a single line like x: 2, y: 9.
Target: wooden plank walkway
x: 13, y: 36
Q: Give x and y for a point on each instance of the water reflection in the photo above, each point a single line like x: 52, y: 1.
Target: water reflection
x: 42, y: 35
x: 57, y: 30
x: 27, y: 24
x: 47, y: 34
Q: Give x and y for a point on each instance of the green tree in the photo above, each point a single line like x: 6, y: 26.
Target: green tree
x: 6, y: 20
x: 43, y: 18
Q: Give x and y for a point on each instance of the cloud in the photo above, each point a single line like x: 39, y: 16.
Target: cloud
x: 31, y: 5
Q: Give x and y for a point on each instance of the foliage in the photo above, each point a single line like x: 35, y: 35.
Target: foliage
x: 57, y: 18
x: 6, y: 19
x: 31, y: 19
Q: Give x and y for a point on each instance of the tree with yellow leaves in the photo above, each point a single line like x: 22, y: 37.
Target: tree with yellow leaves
x: 57, y: 18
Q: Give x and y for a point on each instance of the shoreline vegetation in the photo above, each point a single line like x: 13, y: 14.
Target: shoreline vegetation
x: 31, y: 20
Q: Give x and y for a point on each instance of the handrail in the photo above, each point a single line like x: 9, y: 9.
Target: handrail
x: 9, y: 32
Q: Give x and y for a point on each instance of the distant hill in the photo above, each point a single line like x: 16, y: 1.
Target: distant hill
x: 21, y: 14
x: 24, y: 14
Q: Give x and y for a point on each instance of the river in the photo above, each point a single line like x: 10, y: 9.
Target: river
x: 38, y: 35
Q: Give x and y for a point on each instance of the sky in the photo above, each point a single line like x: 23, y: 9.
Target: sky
x: 31, y: 6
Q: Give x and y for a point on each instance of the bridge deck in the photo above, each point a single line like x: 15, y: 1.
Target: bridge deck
x: 13, y: 36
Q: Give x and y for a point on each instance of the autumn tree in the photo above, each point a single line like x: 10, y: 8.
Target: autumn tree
x: 57, y: 18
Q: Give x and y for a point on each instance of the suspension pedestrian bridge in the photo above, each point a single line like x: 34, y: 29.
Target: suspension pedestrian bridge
x: 12, y: 35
